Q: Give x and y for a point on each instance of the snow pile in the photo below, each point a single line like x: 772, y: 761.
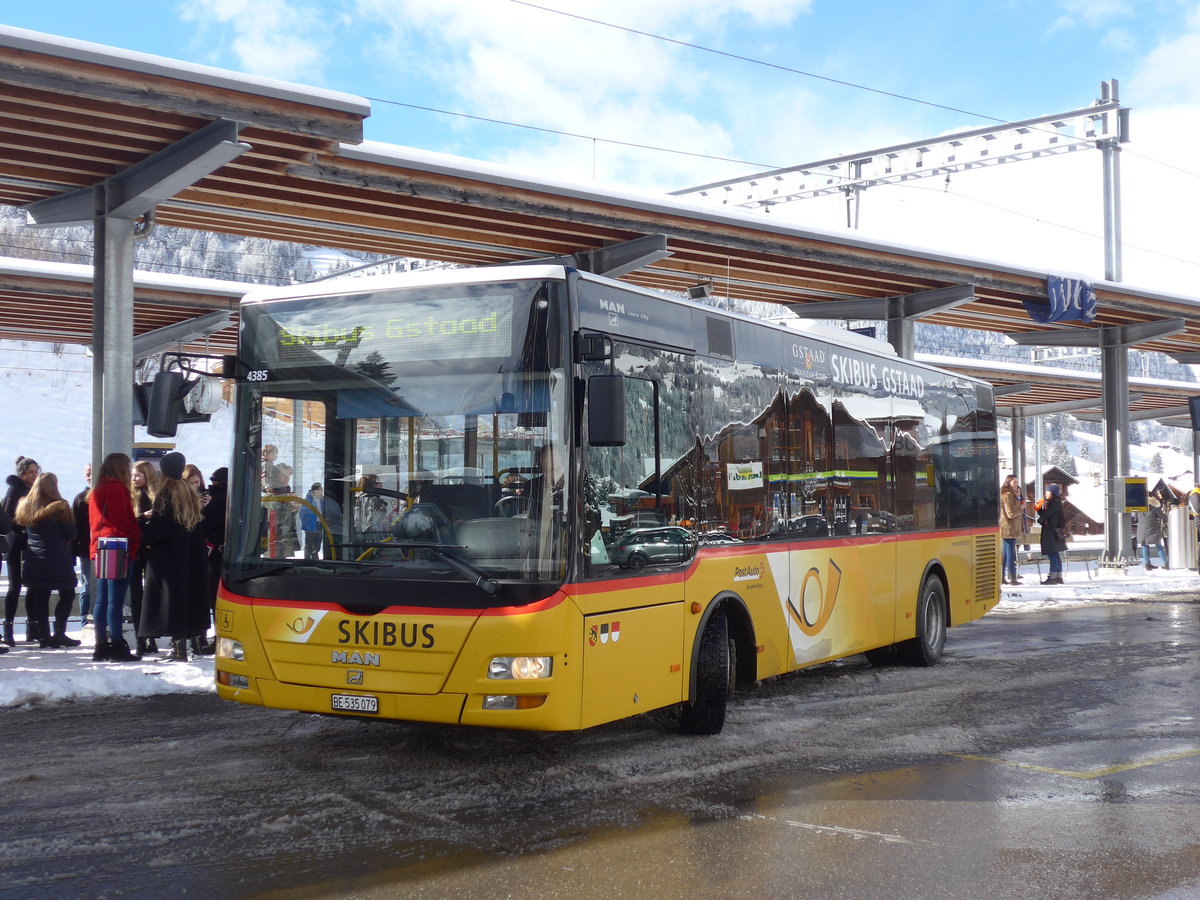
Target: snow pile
x: 30, y: 675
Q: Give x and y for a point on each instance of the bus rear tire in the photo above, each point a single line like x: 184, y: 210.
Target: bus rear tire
x: 715, y: 671
x: 926, y: 648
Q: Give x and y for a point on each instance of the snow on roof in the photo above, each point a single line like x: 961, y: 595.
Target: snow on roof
x: 75, y: 272
x: 664, y: 204
x: 145, y: 63
x: 1010, y: 368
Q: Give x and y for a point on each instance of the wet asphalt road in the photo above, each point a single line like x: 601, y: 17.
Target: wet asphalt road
x: 1053, y: 754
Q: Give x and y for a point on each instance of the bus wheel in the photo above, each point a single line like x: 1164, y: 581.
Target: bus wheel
x: 715, y: 668
x: 926, y: 648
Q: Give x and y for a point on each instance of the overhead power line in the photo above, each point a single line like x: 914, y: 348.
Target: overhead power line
x: 757, y: 62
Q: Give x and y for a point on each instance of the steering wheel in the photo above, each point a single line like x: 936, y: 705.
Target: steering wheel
x: 510, y: 506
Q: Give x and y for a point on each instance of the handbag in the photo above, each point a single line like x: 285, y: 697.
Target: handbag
x: 1062, y: 534
x: 112, y: 557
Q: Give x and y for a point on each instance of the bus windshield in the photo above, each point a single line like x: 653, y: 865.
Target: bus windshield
x: 409, y: 435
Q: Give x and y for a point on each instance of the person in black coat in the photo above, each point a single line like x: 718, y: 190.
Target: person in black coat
x: 18, y: 486
x: 1053, y: 521
x: 82, y: 545
x: 175, y: 602
x: 214, y: 535
x: 6, y: 540
x: 49, y: 561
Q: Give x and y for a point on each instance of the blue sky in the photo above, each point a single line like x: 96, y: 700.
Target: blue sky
x: 515, y: 62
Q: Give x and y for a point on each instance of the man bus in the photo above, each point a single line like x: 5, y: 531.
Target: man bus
x: 628, y: 501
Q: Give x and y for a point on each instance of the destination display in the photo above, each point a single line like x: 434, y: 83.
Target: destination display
x: 426, y: 329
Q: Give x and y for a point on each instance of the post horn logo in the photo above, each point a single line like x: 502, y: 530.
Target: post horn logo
x: 300, y: 625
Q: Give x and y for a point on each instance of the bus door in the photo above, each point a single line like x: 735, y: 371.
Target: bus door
x: 636, y: 552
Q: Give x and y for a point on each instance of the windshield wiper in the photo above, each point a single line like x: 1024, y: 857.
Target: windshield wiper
x: 473, y: 575
x: 284, y: 565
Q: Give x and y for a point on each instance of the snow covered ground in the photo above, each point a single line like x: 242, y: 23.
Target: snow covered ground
x: 30, y: 676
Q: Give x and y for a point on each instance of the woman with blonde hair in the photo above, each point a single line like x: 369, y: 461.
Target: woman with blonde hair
x: 49, y: 561
x: 111, y: 515
x: 193, y: 476
x: 144, y: 484
x: 176, y: 601
x: 1012, y: 526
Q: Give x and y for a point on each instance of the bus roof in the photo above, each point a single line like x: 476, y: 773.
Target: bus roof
x: 357, y: 284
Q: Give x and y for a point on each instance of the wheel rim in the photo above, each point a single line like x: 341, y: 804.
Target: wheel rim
x: 934, y: 619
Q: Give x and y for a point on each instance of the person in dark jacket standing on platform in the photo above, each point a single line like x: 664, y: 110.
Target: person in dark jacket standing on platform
x: 176, y: 599
x: 1054, y: 525
x: 18, y: 486
x: 82, y: 544
x: 49, y: 562
x: 1151, y: 525
x: 214, y: 530
x: 7, y: 537
x: 144, y: 482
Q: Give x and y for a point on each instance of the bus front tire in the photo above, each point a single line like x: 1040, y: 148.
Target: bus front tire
x: 715, y: 668
x: 926, y: 648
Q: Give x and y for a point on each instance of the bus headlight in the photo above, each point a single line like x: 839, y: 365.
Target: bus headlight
x: 520, y: 667
x: 228, y: 648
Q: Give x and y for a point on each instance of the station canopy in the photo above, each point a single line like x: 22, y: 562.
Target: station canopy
x: 76, y: 114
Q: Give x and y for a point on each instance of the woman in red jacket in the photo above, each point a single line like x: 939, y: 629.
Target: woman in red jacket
x: 110, y: 513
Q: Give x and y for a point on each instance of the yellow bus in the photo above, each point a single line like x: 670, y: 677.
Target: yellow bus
x: 530, y: 497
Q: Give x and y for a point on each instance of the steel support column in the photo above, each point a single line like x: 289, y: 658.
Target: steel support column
x: 1114, y: 367
x: 115, y: 300
x: 113, y: 206
x: 1017, y: 423
x: 900, y: 312
x: 1114, y: 342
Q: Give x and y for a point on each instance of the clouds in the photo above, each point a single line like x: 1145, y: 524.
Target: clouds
x: 598, y: 96
x: 273, y: 38
x: 514, y: 62
x: 1170, y: 73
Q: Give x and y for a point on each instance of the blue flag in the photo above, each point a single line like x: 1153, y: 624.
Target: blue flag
x: 1069, y: 300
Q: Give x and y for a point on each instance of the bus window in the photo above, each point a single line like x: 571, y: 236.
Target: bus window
x: 639, y: 497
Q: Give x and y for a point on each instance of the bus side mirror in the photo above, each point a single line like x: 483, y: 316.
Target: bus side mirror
x: 165, y: 405
x: 606, y: 410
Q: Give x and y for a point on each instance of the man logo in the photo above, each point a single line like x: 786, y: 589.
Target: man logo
x: 354, y: 676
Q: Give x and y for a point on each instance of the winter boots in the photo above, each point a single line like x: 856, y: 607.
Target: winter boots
x: 201, y: 646
x: 147, y: 646
x: 179, y: 651
x: 60, y: 638
x: 8, y: 633
x: 33, y: 633
x: 100, y: 654
x: 118, y: 651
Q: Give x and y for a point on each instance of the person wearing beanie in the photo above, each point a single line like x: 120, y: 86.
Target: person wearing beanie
x: 1054, y: 532
x: 175, y: 602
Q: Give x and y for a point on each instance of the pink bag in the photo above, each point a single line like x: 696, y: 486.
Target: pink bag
x: 112, y: 556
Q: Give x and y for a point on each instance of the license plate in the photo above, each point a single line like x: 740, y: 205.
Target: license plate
x: 355, y: 703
